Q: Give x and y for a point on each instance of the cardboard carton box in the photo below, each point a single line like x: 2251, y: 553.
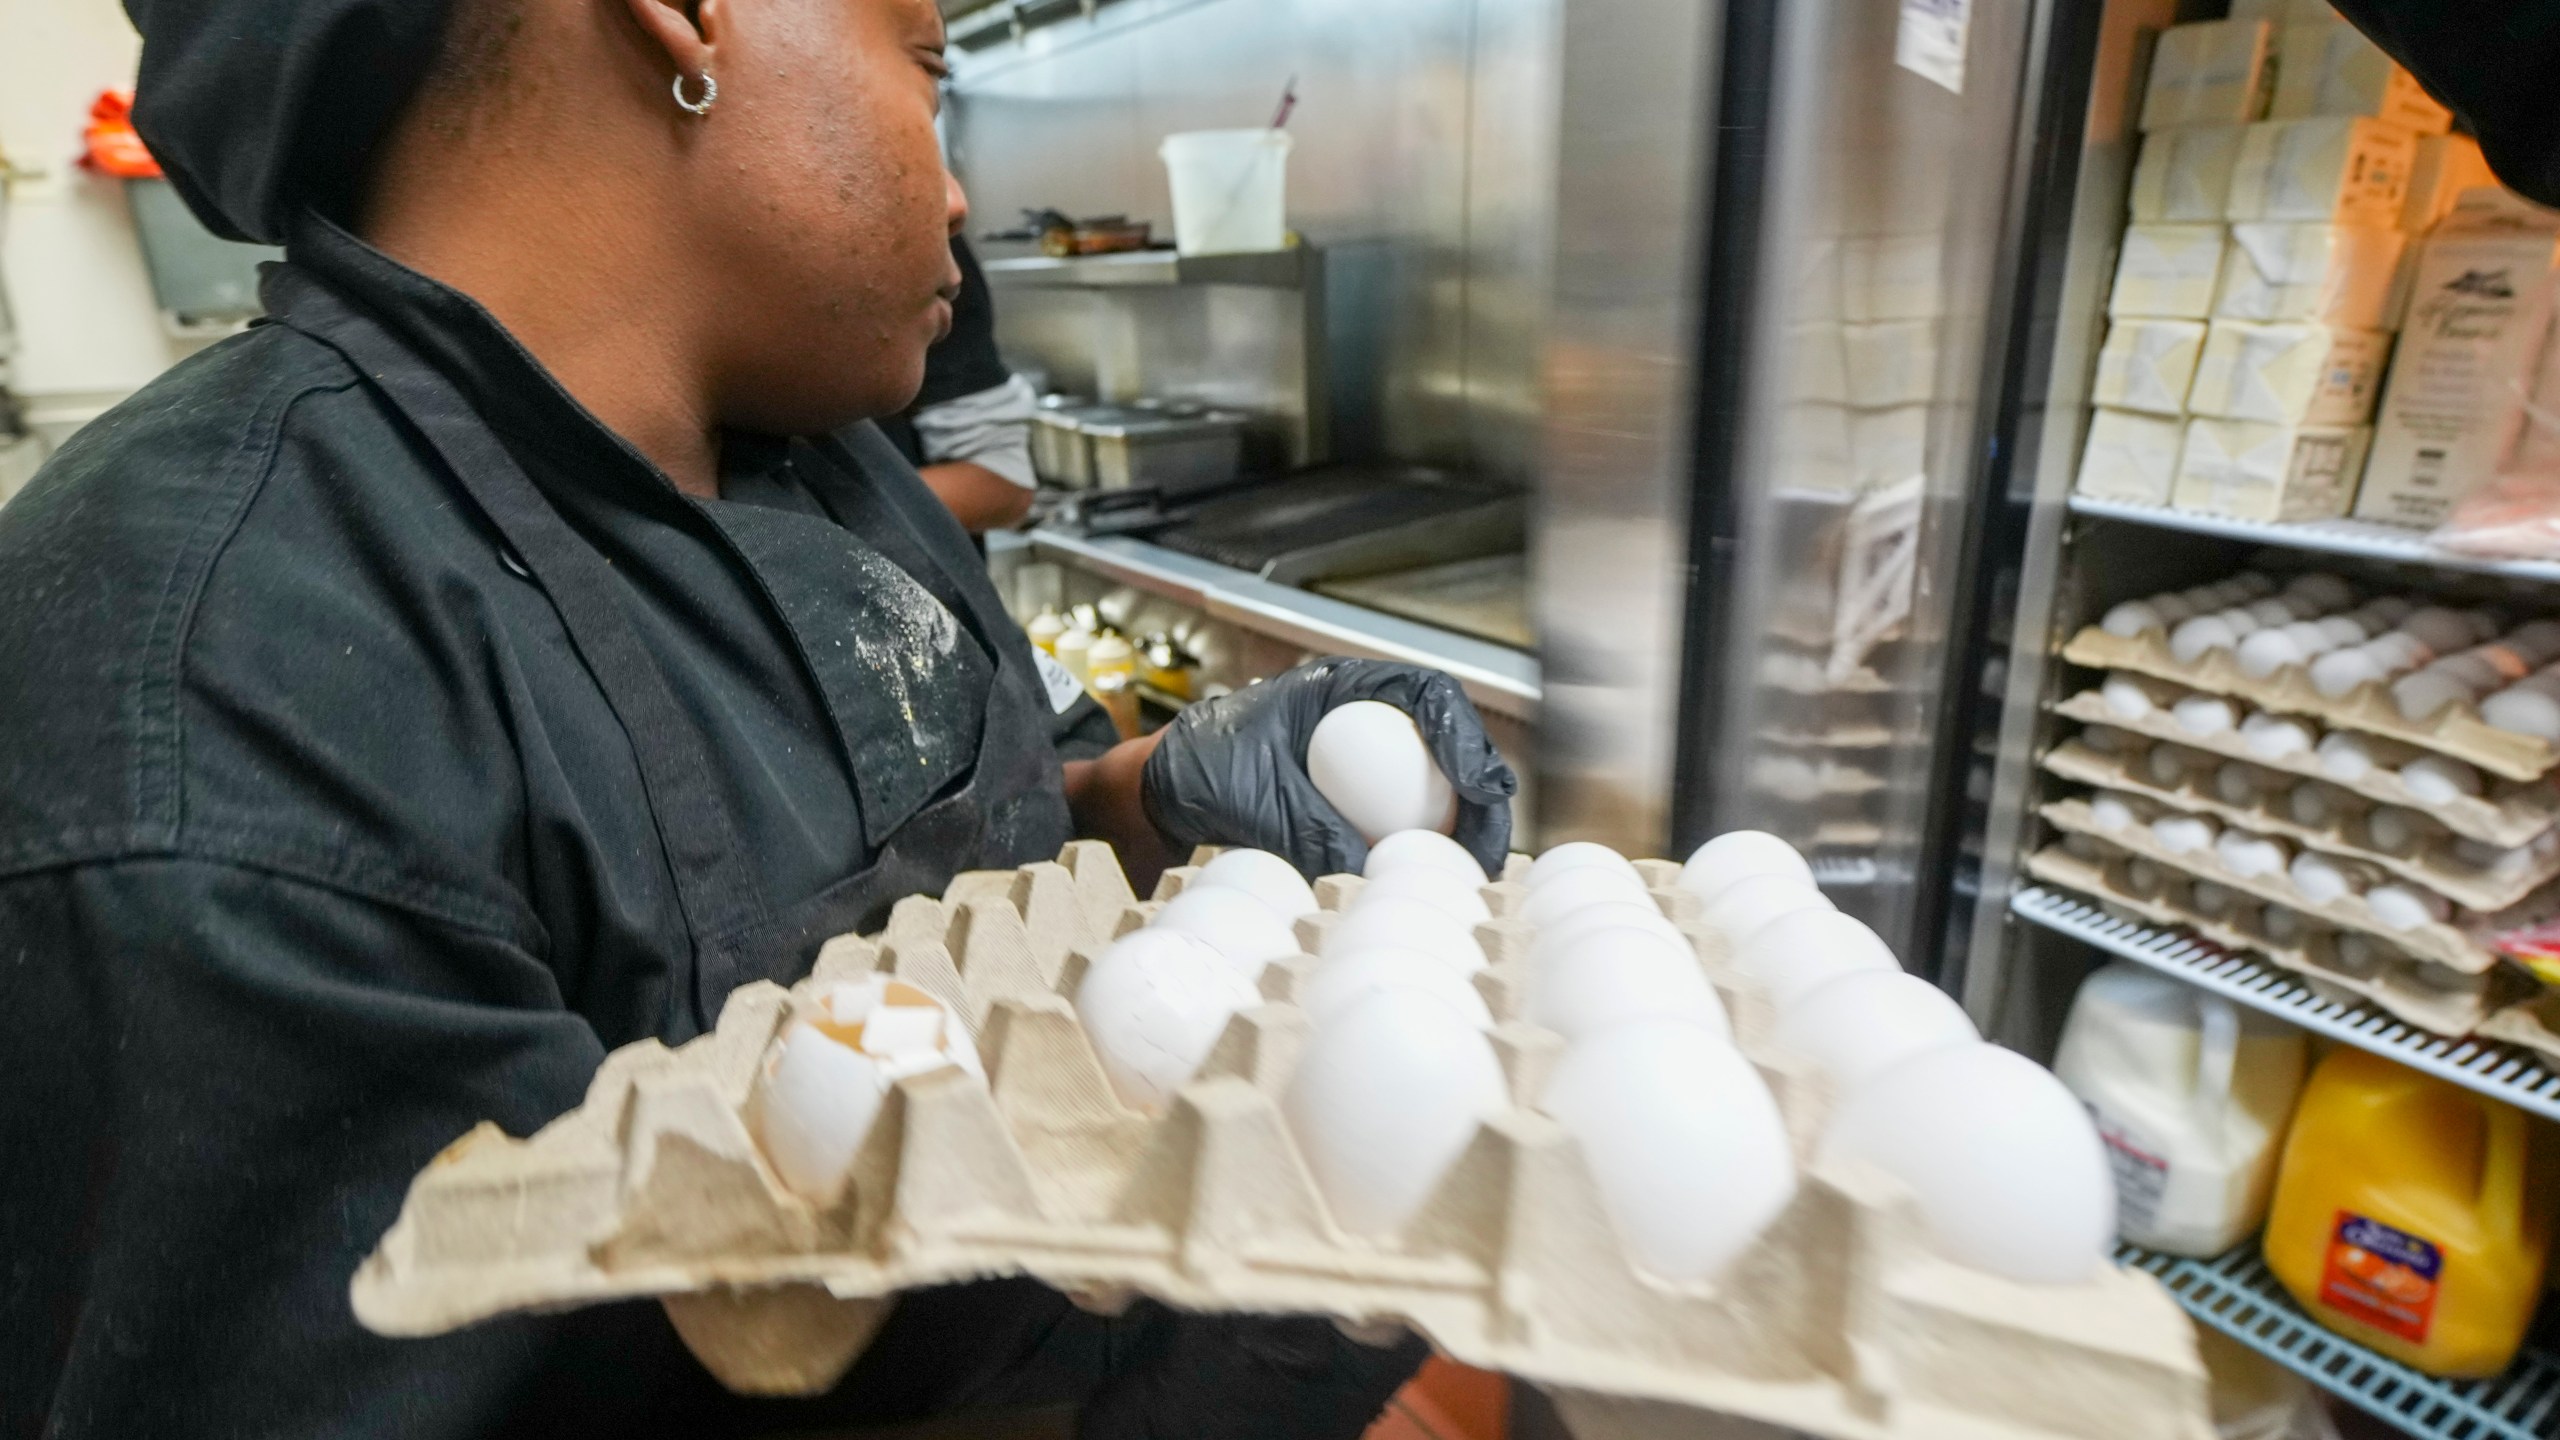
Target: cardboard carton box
x: 2324, y: 274
x: 2474, y: 278
x: 2252, y: 471
x: 2328, y: 67
x: 2440, y: 169
x: 2184, y: 174
x: 1894, y: 362
x: 2168, y: 272
x: 2131, y: 457
x: 2289, y: 374
x: 2216, y: 72
x: 2333, y: 170
x: 2148, y: 365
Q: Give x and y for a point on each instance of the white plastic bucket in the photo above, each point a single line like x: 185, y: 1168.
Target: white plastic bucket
x: 1230, y: 190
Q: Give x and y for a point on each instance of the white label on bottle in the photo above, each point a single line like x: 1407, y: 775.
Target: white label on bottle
x: 2141, y: 1169
x: 1930, y: 43
x: 1057, y: 679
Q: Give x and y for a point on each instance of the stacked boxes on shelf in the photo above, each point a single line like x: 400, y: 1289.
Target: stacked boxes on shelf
x: 2251, y: 316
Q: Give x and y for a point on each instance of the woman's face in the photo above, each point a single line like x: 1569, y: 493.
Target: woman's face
x: 824, y: 208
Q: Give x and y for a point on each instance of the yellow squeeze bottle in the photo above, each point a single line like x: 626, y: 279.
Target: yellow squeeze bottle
x: 2413, y: 1216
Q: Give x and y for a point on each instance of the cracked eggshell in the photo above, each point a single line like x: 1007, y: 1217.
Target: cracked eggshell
x: 1684, y: 1141
x: 1264, y: 876
x: 1383, y: 1102
x: 1155, y: 1003
x: 823, y: 1079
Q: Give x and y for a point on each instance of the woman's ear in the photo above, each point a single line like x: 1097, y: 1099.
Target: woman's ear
x: 689, y: 31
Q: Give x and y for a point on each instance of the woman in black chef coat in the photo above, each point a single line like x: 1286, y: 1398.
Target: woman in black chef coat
x: 471, y: 670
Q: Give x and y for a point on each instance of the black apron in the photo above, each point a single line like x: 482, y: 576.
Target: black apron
x: 1007, y: 808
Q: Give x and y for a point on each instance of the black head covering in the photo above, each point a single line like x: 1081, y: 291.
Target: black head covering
x: 255, y: 107
x: 2496, y: 63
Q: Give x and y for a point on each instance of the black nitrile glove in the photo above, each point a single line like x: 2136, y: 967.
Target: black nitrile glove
x: 1244, y: 1377
x: 1233, y: 771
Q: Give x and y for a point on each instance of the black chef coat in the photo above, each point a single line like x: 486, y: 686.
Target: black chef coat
x: 320, y: 842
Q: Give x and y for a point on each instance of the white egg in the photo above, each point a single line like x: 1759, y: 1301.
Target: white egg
x: 2345, y: 758
x: 1861, y: 1023
x: 1736, y: 856
x: 2406, y: 907
x: 1621, y: 977
x: 2319, y: 878
x: 1563, y: 894
x: 2440, y: 779
x: 1578, y: 855
x: 1438, y: 889
x: 1792, y: 954
x: 1556, y: 939
x: 1155, y: 1003
x: 1401, y: 924
x: 1344, y: 981
x: 2112, y: 812
x: 2004, y: 1162
x: 2204, y: 715
x: 1232, y: 923
x: 2130, y: 618
x: 1264, y: 876
x: 2276, y: 737
x: 1742, y: 912
x: 1369, y: 760
x: 2340, y: 671
x: 2250, y: 856
x: 1683, y: 1139
x: 2181, y: 834
x: 822, y: 1082
x: 2125, y: 697
x: 1425, y: 848
x: 1384, y: 1101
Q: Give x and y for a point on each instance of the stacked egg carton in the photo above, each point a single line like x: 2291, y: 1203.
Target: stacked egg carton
x: 2286, y: 165
x: 1841, y: 1319
x: 2261, y: 826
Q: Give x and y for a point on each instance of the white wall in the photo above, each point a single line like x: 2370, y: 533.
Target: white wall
x: 88, y: 332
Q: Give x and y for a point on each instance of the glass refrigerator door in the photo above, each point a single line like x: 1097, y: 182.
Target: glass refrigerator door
x: 1863, y: 198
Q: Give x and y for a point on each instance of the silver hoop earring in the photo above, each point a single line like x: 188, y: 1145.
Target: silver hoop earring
x: 710, y: 93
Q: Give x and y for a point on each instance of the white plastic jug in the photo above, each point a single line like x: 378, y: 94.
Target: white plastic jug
x: 2191, y: 1095
x: 1230, y: 190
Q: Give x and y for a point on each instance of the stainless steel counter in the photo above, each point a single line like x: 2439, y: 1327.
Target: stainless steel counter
x: 1500, y: 680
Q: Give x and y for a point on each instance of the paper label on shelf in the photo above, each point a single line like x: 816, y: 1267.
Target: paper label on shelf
x: 1057, y: 679
x: 2140, y: 1166
x: 1931, y: 41
x: 1879, y: 563
x: 2382, y: 1277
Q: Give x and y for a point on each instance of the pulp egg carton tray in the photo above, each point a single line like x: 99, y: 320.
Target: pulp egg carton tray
x: 2460, y: 944
x: 2456, y: 730
x: 2511, y: 815
x: 2434, y: 865
x: 2410, y: 989
x: 1840, y: 1321
x: 2534, y: 1024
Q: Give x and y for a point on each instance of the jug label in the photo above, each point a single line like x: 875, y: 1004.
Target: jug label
x: 2384, y: 1277
x: 2140, y: 1166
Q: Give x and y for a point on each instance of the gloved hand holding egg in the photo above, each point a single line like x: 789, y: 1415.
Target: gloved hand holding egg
x: 1316, y: 764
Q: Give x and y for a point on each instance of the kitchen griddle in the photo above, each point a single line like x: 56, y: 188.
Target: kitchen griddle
x: 1348, y: 520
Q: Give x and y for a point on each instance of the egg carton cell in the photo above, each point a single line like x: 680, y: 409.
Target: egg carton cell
x: 2202, y: 781
x: 1843, y: 1319
x: 2509, y: 814
x: 2457, y: 729
x: 2337, y: 964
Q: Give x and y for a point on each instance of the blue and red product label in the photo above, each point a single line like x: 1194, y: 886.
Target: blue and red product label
x: 2382, y: 1277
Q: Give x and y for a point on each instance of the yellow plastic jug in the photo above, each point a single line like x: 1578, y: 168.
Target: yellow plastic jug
x: 2413, y: 1216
